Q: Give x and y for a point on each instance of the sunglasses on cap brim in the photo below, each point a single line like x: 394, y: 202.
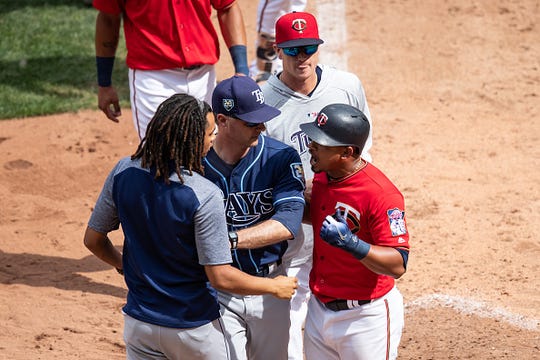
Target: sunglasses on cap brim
x: 294, y: 51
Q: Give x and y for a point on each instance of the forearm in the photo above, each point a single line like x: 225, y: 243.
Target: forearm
x: 101, y: 246
x: 265, y: 233
x: 107, y: 34
x: 232, y: 27
x: 230, y: 279
x: 385, y: 261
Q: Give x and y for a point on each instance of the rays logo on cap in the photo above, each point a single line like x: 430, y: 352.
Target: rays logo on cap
x: 299, y: 25
x: 259, y: 96
x: 322, y: 119
x: 228, y: 104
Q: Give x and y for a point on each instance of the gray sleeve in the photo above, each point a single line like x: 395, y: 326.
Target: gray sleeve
x: 211, y: 234
x: 104, y: 217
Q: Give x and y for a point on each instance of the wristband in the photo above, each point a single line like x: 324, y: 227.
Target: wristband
x: 233, y: 239
x: 104, y: 67
x: 359, y: 249
x: 239, y: 58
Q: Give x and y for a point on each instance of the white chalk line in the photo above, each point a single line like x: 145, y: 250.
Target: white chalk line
x: 333, y: 30
x: 472, y: 307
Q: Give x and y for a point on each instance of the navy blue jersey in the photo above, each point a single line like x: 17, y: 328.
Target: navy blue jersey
x: 268, y: 178
x: 170, y: 233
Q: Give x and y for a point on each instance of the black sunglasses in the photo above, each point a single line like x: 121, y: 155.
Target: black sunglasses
x: 294, y: 51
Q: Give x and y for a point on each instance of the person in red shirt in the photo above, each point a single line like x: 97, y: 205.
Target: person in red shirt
x: 172, y: 47
x: 361, y: 244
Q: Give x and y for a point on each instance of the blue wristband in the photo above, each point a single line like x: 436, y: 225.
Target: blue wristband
x: 358, y: 248
x: 239, y: 58
x: 104, y: 70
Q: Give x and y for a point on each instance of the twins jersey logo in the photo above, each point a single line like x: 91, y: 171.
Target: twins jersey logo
x: 396, y: 218
x: 351, y: 215
x: 245, y: 208
x: 228, y: 104
x: 299, y: 25
x: 301, y: 141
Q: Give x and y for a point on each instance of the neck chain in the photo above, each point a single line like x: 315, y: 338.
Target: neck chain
x: 357, y: 167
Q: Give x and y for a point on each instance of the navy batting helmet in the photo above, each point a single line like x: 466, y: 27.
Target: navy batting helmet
x: 339, y: 125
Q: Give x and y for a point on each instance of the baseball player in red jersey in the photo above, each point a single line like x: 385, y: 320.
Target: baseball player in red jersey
x: 361, y: 244
x: 172, y: 47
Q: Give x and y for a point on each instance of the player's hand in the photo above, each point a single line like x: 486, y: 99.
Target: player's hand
x: 336, y: 232
x: 108, y: 102
x: 284, y: 286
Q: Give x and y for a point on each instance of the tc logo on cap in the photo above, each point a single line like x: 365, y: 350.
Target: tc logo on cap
x: 299, y: 25
x: 322, y: 119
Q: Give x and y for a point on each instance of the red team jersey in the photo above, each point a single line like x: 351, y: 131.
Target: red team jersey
x: 374, y: 209
x: 167, y: 34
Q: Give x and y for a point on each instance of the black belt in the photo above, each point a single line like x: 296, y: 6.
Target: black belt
x: 267, y: 269
x: 193, y: 67
x: 338, y: 305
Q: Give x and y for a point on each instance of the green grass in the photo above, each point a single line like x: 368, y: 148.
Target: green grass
x: 47, y: 58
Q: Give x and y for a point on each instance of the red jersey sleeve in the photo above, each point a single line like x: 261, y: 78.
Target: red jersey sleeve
x: 386, y: 221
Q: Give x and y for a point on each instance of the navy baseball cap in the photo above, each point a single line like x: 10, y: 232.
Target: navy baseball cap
x: 242, y: 98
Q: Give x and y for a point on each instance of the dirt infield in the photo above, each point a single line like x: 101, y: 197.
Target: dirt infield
x: 454, y: 92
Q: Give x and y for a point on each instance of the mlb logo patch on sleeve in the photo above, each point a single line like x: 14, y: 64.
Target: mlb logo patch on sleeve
x: 298, y: 172
x: 396, y: 219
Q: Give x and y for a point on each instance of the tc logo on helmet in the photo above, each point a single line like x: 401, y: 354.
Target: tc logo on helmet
x: 299, y: 25
x: 322, y: 119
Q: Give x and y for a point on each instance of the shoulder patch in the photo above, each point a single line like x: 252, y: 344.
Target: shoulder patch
x: 396, y: 219
x: 298, y: 172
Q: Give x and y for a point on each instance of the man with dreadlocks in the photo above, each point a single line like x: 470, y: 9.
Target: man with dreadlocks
x: 175, y: 239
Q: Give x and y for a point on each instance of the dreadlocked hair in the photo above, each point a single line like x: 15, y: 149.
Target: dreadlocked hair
x: 175, y: 137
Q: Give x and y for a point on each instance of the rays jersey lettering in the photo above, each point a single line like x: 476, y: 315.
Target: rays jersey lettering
x: 245, y: 208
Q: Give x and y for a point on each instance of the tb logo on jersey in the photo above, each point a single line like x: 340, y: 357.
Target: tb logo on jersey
x: 245, y: 208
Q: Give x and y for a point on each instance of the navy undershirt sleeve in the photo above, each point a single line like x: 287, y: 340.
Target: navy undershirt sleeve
x: 290, y: 215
